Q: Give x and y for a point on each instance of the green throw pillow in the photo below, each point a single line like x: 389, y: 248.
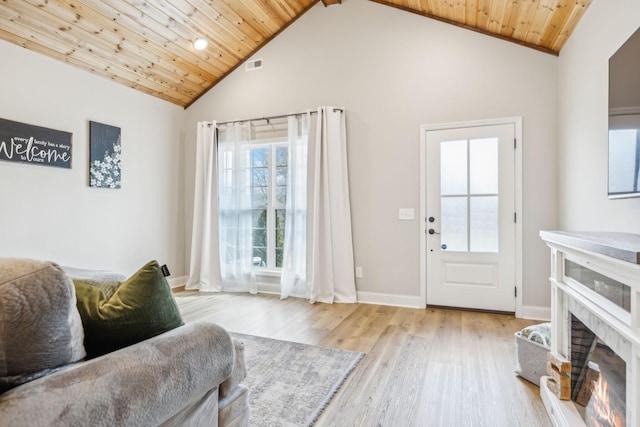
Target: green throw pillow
x: 140, y: 308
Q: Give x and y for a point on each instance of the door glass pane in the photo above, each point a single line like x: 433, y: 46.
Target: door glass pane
x: 483, y: 166
x: 454, y: 223
x: 453, y: 167
x: 484, y: 224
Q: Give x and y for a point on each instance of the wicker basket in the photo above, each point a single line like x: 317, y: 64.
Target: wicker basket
x: 532, y: 359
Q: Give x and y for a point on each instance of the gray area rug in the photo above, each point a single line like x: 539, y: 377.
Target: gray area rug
x: 292, y: 383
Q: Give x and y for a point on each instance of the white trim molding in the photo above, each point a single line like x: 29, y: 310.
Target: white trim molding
x: 533, y: 312
x: 176, y: 282
x: 394, y: 300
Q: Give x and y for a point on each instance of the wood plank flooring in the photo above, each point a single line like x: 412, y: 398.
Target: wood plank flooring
x: 432, y: 367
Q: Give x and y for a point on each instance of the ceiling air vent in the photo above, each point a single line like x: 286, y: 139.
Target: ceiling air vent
x: 253, y: 64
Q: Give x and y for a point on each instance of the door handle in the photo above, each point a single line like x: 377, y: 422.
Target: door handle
x: 432, y: 231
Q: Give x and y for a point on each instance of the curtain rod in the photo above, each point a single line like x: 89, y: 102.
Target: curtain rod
x: 281, y: 116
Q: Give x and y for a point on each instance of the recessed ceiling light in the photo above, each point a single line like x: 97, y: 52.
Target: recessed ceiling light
x: 200, y: 43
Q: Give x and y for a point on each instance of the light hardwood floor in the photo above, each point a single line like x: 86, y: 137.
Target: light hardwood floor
x: 432, y: 367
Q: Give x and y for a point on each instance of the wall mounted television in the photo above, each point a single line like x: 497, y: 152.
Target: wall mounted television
x: 624, y: 120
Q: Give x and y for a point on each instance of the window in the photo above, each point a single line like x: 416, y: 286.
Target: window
x: 268, y: 169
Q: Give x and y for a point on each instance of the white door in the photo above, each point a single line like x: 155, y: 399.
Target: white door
x: 470, y: 217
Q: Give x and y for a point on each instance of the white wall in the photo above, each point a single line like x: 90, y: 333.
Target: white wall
x: 52, y: 213
x: 394, y: 71
x: 583, y: 109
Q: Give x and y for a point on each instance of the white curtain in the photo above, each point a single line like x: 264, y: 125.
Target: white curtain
x: 330, y: 265
x: 318, y: 249
x: 235, y: 215
x: 204, y: 271
x: 293, y: 281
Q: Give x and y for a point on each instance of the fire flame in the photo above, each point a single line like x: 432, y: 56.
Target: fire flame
x: 602, y: 414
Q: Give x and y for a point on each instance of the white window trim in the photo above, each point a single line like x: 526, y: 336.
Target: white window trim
x: 268, y: 272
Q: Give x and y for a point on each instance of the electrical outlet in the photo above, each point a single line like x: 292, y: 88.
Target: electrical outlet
x: 358, y: 272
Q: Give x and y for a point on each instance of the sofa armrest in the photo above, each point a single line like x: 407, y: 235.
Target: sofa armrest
x: 239, y: 372
x: 143, y: 384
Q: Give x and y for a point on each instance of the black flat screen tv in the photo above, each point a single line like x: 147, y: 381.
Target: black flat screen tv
x: 624, y: 120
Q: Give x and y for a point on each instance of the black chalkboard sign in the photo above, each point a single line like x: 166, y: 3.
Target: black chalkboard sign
x: 20, y: 142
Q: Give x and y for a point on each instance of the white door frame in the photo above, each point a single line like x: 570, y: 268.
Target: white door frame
x: 517, y: 123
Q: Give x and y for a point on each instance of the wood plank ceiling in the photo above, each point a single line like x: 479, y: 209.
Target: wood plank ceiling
x: 148, y: 44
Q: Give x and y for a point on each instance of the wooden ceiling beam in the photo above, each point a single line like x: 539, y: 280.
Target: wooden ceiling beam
x: 327, y: 3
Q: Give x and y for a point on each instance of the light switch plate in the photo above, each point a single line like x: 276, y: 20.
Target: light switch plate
x: 406, y: 214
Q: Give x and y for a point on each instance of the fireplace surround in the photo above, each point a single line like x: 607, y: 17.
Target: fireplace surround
x: 595, y: 302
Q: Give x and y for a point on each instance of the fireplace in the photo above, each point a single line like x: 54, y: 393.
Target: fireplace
x: 595, y: 289
x: 598, y: 378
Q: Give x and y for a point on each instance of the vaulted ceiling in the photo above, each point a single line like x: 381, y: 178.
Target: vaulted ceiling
x: 148, y: 44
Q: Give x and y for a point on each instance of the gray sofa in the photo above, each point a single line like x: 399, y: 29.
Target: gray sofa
x: 188, y: 376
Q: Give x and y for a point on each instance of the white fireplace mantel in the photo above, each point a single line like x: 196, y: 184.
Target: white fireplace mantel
x: 615, y: 256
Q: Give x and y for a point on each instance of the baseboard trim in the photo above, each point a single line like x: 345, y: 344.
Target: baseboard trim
x: 264, y: 288
x: 268, y: 288
x: 533, y: 312
x: 389, y: 299
x: 176, y: 282
x: 530, y: 312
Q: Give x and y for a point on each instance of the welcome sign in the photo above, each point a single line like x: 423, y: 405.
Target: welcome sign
x: 20, y: 142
